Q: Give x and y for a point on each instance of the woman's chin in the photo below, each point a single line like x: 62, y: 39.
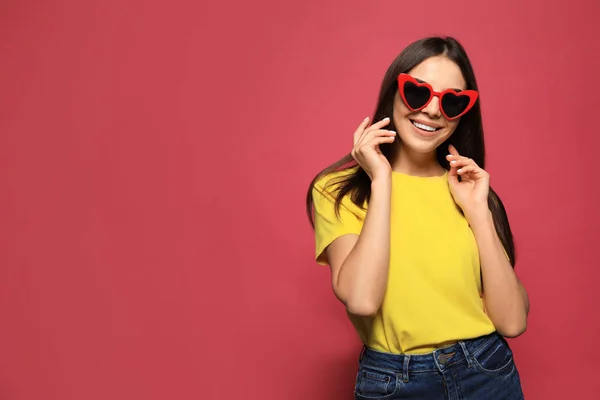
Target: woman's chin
x: 420, y: 145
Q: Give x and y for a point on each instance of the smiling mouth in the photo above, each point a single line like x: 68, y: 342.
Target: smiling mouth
x: 424, y: 127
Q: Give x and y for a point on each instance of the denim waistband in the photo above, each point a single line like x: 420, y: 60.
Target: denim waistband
x: 439, y: 359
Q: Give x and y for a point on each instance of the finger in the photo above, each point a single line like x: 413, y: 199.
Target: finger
x: 466, y: 165
x: 372, y: 133
x: 461, y: 162
x: 360, y: 129
x: 381, y: 140
x: 473, y: 172
x: 452, y: 156
x: 375, y: 126
x: 469, y: 168
x: 381, y: 124
x: 452, y: 175
x: 372, y: 145
x: 453, y: 150
x: 376, y: 141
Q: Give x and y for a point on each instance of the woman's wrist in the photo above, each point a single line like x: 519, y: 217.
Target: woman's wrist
x: 478, y: 216
x: 381, y: 182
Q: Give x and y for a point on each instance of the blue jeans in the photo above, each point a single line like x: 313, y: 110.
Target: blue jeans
x: 475, y: 369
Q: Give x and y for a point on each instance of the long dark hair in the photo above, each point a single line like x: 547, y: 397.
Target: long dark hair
x: 467, y: 138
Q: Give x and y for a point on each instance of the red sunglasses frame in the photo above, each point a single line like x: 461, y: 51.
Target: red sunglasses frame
x: 471, y: 94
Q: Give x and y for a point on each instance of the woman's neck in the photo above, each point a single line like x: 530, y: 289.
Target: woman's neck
x: 419, y: 164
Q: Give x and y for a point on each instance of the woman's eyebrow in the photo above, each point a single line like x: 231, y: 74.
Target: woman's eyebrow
x: 421, y: 81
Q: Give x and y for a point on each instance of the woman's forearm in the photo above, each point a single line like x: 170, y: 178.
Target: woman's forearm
x: 363, y: 275
x: 506, y: 300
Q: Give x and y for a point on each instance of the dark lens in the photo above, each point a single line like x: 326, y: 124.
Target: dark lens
x: 454, y: 105
x: 416, y: 96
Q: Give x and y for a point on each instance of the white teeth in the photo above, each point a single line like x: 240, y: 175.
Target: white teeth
x: 424, y: 127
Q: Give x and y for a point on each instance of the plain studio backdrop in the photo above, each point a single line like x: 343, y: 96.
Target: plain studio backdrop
x: 155, y: 157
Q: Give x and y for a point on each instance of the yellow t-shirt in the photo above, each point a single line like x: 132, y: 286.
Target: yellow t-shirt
x: 433, y: 294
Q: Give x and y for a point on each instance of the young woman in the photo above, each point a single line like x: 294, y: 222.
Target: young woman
x: 420, y: 248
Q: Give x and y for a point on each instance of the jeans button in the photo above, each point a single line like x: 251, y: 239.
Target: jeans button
x: 442, y: 359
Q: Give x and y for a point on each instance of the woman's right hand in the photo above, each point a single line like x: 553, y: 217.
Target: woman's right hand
x: 366, y: 150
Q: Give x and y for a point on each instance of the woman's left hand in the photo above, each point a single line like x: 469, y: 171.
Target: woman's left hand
x: 471, y: 193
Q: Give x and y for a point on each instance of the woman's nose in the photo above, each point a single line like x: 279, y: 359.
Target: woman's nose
x: 433, y: 108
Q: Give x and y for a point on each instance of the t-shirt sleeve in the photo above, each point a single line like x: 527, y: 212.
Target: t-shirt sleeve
x: 328, y: 225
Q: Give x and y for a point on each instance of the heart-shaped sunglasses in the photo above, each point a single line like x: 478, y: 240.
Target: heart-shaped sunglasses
x: 416, y: 95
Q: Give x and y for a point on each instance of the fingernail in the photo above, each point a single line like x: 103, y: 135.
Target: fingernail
x: 459, y: 171
x: 386, y: 118
x: 365, y: 119
x: 394, y: 132
x: 453, y: 162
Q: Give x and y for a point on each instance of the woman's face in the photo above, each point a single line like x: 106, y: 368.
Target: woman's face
x: 441, y: 73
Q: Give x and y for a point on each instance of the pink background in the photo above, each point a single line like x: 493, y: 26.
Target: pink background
x: 154, y: 158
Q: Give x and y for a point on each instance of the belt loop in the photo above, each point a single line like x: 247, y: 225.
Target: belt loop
x: 362, y: 353
x: 405, y: 368
x: 467, y: 354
